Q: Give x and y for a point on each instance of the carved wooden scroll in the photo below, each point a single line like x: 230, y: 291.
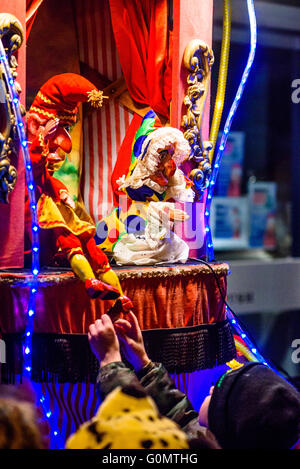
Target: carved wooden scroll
x: 11, y: 36
x: 198, y: 59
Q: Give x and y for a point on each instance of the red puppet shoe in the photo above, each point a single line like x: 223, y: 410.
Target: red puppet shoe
x: 126, y: 303
x: 122, y: 305
x: 95, y: 288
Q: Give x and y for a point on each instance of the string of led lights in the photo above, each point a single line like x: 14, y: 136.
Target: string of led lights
x: 233, y: 109
x: 33, y: 282
x: 222, y: 78
x: 254, y: 353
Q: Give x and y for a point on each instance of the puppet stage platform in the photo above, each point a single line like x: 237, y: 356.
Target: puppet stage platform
x: 180, y: 309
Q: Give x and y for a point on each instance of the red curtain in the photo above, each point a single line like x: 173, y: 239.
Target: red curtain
x: 32, y: 7
x: 144, y: 45
x: 141, y: 34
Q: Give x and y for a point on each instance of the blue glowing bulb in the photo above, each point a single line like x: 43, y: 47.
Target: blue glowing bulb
x: 30, y: 187
x: 35, y: 228
x: 30, y: 312
x: 35, y: 271
x: 27, y: 350
x: 48, y: 414
x: 35, y: 249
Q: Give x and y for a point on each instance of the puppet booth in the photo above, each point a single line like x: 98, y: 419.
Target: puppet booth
x: 107, y: 170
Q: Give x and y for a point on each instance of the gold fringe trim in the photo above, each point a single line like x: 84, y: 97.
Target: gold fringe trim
x: 50, y: 115
x: 41, y: 111
x: 44, y: 145
x: 73, y: 251
x: 159, y: 272
x: 104, y: 269
x: 167, y: 272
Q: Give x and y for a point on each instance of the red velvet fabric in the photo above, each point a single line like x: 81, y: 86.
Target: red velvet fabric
x: 141, y: 35
x: 144, y: 45
x: 165, y: 297
x: 32, y: 7
x: 124, y: 155
x: 12, y: 214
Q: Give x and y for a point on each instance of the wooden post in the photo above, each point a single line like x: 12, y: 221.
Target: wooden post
x: 192, y: 19
x: 12, y: 215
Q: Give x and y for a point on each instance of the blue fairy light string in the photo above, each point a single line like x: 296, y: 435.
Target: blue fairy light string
x: 233, y: 109
x: 33, y: 283
x: 216, y: 166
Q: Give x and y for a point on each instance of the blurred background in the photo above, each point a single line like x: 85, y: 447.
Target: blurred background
x: 256, y: 209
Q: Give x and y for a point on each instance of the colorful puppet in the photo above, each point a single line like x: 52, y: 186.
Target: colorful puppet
x: 154, y: 183
x: 69, y: 228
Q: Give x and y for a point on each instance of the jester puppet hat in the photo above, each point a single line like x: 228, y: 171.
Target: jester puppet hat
x: 128, y: 419
x: 149, y: 139
x: 61, y: 95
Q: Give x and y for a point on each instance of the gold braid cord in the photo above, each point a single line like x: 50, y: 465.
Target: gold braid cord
x: 198, y: 59
x: 11, y: 35
x: 220, y: 270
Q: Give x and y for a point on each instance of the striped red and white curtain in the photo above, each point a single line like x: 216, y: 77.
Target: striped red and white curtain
x: 103, y: 131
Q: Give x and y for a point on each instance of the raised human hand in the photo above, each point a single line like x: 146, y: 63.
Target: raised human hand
x: 104, y: 341
x: 131, y: 341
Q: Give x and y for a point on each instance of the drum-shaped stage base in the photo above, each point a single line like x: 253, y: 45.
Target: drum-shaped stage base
x: 180, y: 309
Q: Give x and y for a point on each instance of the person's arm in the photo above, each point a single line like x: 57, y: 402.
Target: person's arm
x: 171, y: 402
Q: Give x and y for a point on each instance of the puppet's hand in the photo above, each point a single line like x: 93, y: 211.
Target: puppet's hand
x: 67, y: 199
x: 50, y: 129
x: 176, y: 214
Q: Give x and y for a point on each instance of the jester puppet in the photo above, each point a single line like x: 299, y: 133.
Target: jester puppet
x: 68, y: 227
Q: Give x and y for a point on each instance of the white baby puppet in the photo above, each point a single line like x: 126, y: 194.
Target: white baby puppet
x: 158, y: 181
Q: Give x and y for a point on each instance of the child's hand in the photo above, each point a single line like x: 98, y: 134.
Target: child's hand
x: 131, y: 339
x: 104, y: 341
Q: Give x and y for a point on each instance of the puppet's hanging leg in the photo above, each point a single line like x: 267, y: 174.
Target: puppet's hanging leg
x: 95, y: 287
x: 104, y: 273
x: 123, y: 303
x: 111, y: 278
x: 72, y: 248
